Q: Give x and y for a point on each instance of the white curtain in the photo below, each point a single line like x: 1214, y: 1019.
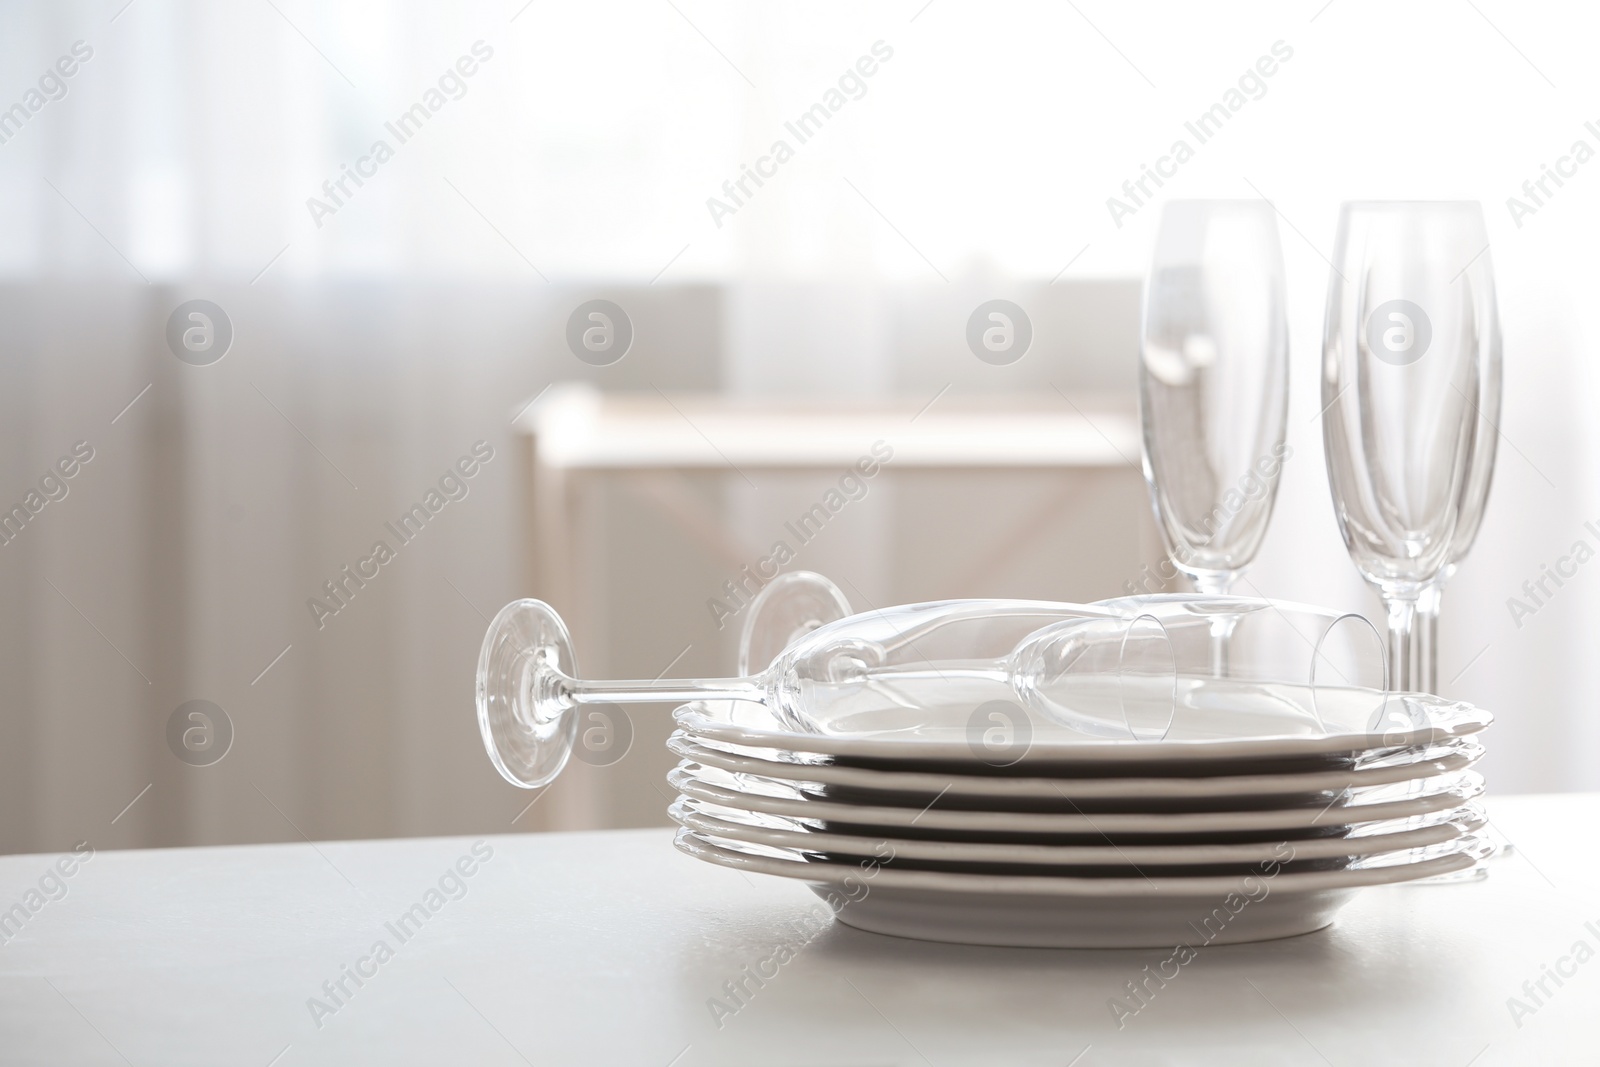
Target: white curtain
x: 378, y: 337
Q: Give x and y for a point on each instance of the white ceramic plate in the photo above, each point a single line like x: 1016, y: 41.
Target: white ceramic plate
x: 1442, y: 759
x: 781, y: 798
x: 714, y: 822
x: 1081, y: 912
x: 804, y: 825
x: 1210, y: 734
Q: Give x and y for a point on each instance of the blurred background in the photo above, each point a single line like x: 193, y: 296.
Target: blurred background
x: 538, y: 156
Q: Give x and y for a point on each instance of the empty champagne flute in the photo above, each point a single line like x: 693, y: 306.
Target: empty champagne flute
x: 1214, y: 387
x: 1214, y: 383
x: 1474, y: 497
x: 1409, y: 330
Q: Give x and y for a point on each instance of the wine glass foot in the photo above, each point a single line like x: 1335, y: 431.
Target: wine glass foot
x: 791, y: 606
x: 527, y: 728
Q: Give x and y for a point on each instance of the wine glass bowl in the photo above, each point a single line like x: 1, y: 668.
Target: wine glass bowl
x: 1123, y: 667
x: 1299, y: 658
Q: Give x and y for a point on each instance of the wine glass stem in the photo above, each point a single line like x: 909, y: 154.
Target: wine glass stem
x: 571, y: 691
x: 1402, y: 675
x: 661, y: 690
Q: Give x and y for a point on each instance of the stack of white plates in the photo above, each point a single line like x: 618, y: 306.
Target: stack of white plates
x: 1223, y: 835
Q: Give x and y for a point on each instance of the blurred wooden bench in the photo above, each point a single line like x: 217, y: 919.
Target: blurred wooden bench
x: 575, y: 431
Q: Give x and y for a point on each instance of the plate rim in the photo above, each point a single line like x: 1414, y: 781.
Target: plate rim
x: 685, y: 814
x: 692, y: 718
x: 682, y: 779
x: 1021, y: 787
x: 1207, y: 888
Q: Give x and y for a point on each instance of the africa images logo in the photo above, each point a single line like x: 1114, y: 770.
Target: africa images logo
x: 999, y: 332
x: 199, y: 733
x: 599, y: 332
x: 199, y: 332
x: 1399, y: 332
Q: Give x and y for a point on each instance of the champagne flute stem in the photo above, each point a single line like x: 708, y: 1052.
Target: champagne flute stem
x: 1217, y: 583
x: 1402, y: 611
x: 1428, y: 638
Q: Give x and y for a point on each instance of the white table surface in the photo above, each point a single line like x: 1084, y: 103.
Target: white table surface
x: 596, y: 948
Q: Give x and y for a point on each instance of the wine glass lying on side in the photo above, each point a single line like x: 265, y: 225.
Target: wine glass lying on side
x: 528, y: 686
x: 1137, y: 670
